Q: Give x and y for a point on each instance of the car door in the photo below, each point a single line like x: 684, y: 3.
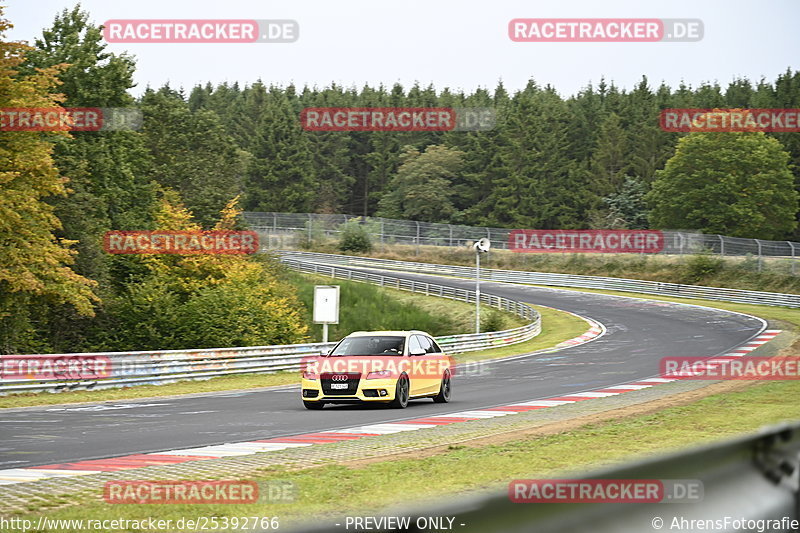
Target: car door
x: 416, y: 365
x: 443, y: 362
x: 426, y: 368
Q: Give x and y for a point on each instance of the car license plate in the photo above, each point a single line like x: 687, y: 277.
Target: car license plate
x: 338, y: 385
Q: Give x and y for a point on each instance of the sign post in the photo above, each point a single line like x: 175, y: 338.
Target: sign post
x: 326, y: 307
x: 481, y: 246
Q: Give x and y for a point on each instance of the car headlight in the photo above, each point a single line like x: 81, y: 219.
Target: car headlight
x: 307, y: 374
x: 379, y: 374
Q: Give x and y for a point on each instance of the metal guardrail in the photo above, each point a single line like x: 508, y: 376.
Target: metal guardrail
x: 561, y: 280
x: 745, y: 482
x: 163, y: 366
x: 453, y: 343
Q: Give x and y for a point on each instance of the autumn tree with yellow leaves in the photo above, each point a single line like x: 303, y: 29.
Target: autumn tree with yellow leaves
x: 34, y: 264
x: 204, y: 301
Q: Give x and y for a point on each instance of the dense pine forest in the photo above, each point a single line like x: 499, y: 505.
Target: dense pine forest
x: 581, y: 161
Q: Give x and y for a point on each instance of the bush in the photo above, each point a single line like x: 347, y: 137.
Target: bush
x: 355, y: 238
x: 700, y: 266
x: 492, y: 321
x: 239, y: 314
x: 750, y: 263
x: 311, y: 236
x: 144, y: 317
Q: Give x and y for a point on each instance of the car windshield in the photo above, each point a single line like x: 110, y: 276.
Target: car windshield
x: 372, y: 345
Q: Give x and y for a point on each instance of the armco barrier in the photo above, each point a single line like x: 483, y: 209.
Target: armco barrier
x: 746, y: 482
x: 155, y: 367
x: 557, y: 280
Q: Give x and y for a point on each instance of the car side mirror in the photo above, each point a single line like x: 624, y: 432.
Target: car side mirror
x: 417, y: 352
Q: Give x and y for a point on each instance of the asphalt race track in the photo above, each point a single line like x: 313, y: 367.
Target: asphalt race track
x: 638, y: 334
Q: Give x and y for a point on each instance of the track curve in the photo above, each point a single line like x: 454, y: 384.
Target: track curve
x: 638, y: 334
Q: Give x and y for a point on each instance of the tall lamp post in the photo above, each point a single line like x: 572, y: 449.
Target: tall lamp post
x: 480, y: 247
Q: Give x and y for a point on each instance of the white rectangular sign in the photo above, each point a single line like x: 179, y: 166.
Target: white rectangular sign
x: 326, y: 304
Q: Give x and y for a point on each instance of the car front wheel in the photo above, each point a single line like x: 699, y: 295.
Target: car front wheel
x: 401, y: 392
x: 445, y: 389
x: 314, y: 406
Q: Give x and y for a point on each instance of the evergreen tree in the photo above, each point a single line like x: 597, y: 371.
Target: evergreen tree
x: 648, y: 144
x: 608, y: 164
x: 332, y: 154
x: 627, y: 209
x: 192, y: 153
x: 422, y: 188
x: 106, y: 169
x: 281, y: 175
x: 538, y: 186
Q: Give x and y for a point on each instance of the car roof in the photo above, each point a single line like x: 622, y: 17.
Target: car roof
x: 393, y: 333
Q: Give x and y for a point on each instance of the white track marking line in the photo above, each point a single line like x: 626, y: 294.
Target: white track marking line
x: 594, y: 394
x: 545, y: 403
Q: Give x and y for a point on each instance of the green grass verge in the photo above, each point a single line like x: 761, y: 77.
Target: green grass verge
x: 558, y: 326
x: 372, y: 308
x: 461, y: 469
x: 775, y: 273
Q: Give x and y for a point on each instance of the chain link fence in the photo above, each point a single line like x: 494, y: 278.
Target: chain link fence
x: 302, y: 230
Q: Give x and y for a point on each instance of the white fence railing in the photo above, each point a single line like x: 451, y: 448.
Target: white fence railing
x: 158, y: 367
x: 558, y: 280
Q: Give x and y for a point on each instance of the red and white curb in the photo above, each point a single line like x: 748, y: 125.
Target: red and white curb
x: 596, y: 330
x: 741, y: 351
x: 79, y: 468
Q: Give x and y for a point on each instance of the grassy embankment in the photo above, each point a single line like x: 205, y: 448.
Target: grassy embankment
x: 713, y: 271
x: 374, y: 486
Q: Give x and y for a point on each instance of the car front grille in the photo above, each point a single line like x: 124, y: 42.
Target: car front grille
x: 352, y: 379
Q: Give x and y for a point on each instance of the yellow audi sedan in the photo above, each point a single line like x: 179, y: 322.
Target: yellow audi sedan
x: 390, y: 367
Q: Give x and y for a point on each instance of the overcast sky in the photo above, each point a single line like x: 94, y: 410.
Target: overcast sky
x: 450, y: 43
